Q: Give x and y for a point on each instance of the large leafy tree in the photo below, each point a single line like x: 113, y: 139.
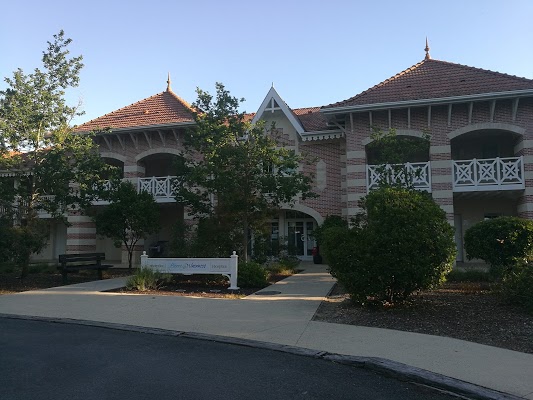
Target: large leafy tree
x: 235, y: 171
x: 130, y: 217
x: 45, y: 167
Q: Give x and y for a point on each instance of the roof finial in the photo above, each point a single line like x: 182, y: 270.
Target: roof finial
x: 428, y: 57
x: 272, y: 83
x: 169, y: 89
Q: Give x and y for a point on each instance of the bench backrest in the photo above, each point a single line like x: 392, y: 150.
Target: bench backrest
x: 68, y: 258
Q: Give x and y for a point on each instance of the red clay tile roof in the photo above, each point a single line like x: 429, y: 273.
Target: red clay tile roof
x: 162, y: 108
x: 311, y: 119
x: 432, y: 79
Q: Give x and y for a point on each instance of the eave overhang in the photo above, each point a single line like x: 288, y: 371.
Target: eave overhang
x: 321, y: 135
x: 140, y: 128
x: 427, y: 102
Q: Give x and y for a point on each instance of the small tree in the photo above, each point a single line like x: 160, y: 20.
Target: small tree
x: 39, y: 152
x: 129, y: 217
x: 502, y: 242
x: 399, y: 244
x: 236, y: 172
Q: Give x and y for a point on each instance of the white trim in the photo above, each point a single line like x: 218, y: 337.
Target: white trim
x: 99, y: 131
x: 426, y: 102
x: 321, y: 135
x: 272, y: 94
x: 157, y: 150
x: 113, y: 155
x: 307, y: 210
x: 487, y: 125
x: 399, y: 132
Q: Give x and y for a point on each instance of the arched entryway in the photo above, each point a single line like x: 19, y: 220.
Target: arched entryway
x: 294, y: 230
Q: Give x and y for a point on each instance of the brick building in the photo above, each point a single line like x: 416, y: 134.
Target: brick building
x: 479, y: 163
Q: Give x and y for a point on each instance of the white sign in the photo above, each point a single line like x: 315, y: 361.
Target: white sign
x: 188, y: 266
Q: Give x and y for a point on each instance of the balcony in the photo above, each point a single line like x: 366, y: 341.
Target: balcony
x: 488, y: 174
x: 159, y: 186
x: 396, y: 174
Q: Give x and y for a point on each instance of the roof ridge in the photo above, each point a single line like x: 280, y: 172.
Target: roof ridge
x: 306, y: 108
x: 181, y: 100
x: 120, y: 109
x: 380, y: 84
x: 482, y: 69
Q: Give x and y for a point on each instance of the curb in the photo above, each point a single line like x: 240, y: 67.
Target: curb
x: 383, y: 366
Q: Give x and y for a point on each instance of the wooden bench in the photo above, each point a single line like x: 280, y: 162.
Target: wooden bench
x: 75, y: 262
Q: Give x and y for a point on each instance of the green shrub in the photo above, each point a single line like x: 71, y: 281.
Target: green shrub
x: 399, y: 244
x: 329, y: 222
x: 280, y: 269
x: 37, y: 268
x: 289, y: 262
x: 468, y: 276
x: 501, y: 242
x: 146, y: 279
x: 517, y: 286
x: 251, y: 274
x: 7, y: 267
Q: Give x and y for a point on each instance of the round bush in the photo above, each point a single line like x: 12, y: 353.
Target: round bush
x: 399, y: 244
x: 251, y: 274
x: 501, y: 242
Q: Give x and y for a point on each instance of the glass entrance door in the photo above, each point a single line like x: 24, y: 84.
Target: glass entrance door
x: 299, y: 238
x: 296, y: 238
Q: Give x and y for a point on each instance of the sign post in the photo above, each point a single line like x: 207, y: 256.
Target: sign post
x: 188, y: 266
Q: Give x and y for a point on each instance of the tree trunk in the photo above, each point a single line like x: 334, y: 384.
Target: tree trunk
x: 130, y: 254
x: 245, y: 241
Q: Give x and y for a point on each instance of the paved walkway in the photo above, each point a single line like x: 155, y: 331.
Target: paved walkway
x: 284, y: 318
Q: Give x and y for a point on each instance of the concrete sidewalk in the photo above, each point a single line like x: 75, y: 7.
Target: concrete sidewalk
x: 283, y: 318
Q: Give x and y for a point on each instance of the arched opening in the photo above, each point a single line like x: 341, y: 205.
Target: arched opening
x: 397, y: 150
x: 398, y: 160
x: 118, y: 164
x: 487, y: 178
x: 159, y: 164
x: 484, y: 144
x: 291, y: 233
x: 159, y: 173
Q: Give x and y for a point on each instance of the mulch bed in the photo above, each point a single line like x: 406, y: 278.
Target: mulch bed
x: 199, y: 286
x: 467, y: 311
x: 10, y: 282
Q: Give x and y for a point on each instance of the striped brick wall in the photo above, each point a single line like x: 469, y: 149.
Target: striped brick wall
x: 81, y: 234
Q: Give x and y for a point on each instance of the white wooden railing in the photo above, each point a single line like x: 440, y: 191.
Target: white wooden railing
x: 418, y: 173
x: 488, y: 174
x: 159, y: 186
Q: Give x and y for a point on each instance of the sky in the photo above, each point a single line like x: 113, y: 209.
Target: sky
x: 314, y: 52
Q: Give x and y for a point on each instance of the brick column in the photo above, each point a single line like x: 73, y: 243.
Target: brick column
x: 81, y: 233
x: 442, y: 179
x: 525, y: 202
x: 355, y: 181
